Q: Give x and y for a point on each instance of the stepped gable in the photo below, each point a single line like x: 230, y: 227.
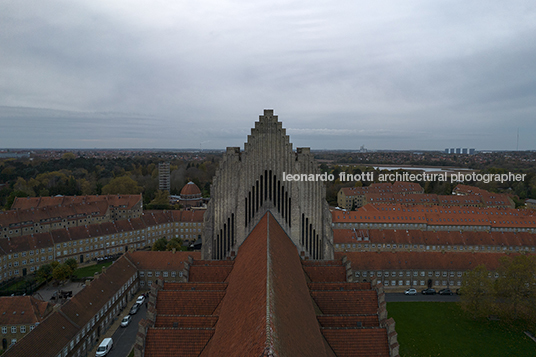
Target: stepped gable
x: 252, y: 182
x: 254, y: 323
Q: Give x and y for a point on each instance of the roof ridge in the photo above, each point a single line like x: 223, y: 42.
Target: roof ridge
x: 269, y: 349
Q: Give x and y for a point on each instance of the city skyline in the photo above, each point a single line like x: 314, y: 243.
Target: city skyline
x: 411, y: 76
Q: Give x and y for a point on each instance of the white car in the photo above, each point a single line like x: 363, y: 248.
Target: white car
x: 140, y: 300
x: 411, y: 291
x: 126, y: 321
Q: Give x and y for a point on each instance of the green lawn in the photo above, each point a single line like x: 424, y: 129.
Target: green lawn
x: 89, y: 271
x: 428, y: 329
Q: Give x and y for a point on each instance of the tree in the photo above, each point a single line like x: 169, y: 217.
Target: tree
x: 68, y: 156
x: 516, y: 287
x: 174, y: 243
x: 160, y: 244
x: 44, y: 272
x: 72, y: 264
x: 121, y: 185
x: 477, y: 292
x: 161, y: 201
x: 61, y: 272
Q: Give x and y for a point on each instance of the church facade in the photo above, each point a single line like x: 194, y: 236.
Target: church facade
x: 252, y: 182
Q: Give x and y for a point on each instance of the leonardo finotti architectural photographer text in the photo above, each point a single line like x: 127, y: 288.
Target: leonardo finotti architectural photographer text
x: 406, y: 176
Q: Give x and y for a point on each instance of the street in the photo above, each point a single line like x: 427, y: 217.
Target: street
x: 124, y: 337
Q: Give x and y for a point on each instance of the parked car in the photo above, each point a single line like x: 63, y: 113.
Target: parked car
x: 446, y: 291
x: 134, y: 309
x: 411, y: 291
x: 104, y: 347
x: 429, y: 291
x: 126, y: 321
x: 140, y: 300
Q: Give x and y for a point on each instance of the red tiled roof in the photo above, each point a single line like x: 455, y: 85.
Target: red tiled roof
x: 185, y: 321
x: 437, y: 215
x: 358, y: 342
x: 420, y: 260
x: 22, y: 310
x: 411, y: 237
x: 188, y: 302
x: 155, y: 260
x: 163, y: 342
x: 346, y: 302
x: 56, y: 330
x: 348, y: 320
x: 325, y: 273
x: 209, y: 273
x: 190, y: 189
x: 244, y: 328
x: 194, y: 286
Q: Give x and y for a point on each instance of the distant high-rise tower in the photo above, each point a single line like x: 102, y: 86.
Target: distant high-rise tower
x: 163, y: 177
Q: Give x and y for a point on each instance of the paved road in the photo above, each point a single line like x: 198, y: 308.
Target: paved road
x: 400, y: 297
x: 124, y: 337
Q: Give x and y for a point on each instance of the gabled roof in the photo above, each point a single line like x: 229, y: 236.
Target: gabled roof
x: 22, y: 310
x: 267, y: 309
x: 56, y: 331
x: 46, y: 339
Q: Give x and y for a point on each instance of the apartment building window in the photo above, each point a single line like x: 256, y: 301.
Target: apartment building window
x: 23, y: 329
x: 4, y: 330
x: 13, y: 329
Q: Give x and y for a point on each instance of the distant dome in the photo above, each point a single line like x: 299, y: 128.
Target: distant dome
x: 190, y: 190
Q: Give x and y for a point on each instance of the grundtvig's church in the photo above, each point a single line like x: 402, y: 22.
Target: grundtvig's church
x: 249, y: 183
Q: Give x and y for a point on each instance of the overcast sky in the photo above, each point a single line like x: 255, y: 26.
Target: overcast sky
x: 340, y: 74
